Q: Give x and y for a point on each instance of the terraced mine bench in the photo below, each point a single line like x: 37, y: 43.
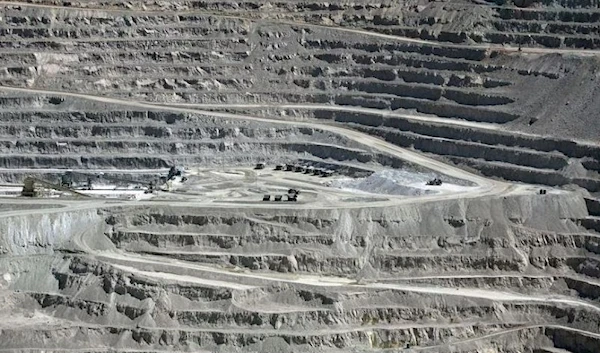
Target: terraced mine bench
x: 495, y: 98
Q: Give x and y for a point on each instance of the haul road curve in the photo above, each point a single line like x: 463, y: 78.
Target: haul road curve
x: 372, y: 103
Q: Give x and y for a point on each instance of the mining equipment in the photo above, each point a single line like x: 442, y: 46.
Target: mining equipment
x: 28, y: 188
x: 278, y: 198
x: 543, y: 191
x: 68, y: 179
x: 292, y: 197
x: 279, y: 167
x: 175, y: 172
x: 267, y: 198
x: 260, y: 166
x: 289, y: 167
x: 299, y: 169
x: 435, y: 182
x: 32, y: 186
x: 88, y: 183
x: 317, y: 171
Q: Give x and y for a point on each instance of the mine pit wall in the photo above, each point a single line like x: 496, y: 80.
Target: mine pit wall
x: 593, y: 206
x: 45, y: 231
x: 230, y: 154
x: 378, y: 338
x: 591, y: 224
x: 365, y: 120
x: 573, y: 341
x: 502, y: 138
x: 362, y: 237
x: 527, y: 175
x: 42, y: 232
x: 521, y: 158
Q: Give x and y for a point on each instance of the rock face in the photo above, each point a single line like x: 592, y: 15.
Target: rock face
x: 308, y: 56
x: 503, y: 89
x: 525, y: 3
x: 518, y: 264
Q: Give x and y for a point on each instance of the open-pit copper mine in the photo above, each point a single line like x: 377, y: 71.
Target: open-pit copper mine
x: 311, y: 176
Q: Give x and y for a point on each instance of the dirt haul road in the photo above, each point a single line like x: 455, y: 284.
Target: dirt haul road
x: 485, y: 267
x: 318, y: 281
x: 383, y: 113
x: 486, y: 187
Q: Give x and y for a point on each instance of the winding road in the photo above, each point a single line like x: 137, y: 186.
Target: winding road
x: 167, y: 269
x: 486, y: 187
